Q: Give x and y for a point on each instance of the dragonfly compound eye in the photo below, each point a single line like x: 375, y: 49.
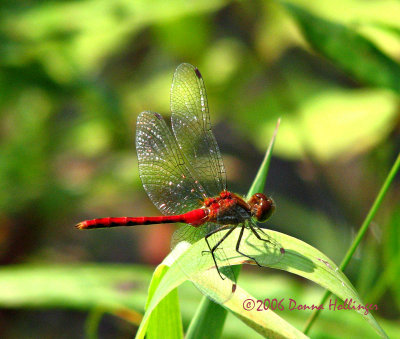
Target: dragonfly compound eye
x: 262, y: 207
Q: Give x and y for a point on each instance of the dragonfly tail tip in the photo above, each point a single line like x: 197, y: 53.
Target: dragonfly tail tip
x: 81, y: 226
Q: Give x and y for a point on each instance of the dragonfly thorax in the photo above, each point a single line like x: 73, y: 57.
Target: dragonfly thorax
x: 227, y: 209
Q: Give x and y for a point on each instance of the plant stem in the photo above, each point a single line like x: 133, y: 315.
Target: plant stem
x: 364, y: 227
x: 92, y: 323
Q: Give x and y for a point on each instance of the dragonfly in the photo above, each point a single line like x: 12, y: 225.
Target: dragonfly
x: 184, y: 176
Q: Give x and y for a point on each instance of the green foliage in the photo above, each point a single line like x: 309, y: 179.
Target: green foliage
x: 74, y: 286
x: 348, y: 49
x: 300, y: 259
x: 166, y: 317
x: 75, y: 75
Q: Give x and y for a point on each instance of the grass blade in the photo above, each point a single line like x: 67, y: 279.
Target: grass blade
x: 92, y: 323
x: 360, y: 234
x: 165, y: 320
x: 299, y: 258
x: 259, y: 182
x: 347, y: 49
x: 209, y: 313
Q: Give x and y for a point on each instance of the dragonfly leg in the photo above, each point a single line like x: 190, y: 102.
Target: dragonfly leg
x: 262, y: 231
x: 238, y: 244
x: 275, y: 247
x: 212, y: 250
x: 257, y: 235
x: 281, y: 249
x: 210, y: 234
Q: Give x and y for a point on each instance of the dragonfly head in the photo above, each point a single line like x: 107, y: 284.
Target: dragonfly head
x: 262, y: 207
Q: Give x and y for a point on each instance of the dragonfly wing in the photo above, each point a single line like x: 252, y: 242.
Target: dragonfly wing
x: 192, y: 128
x: 191, y: 234
x: 162, y: 168
x: 211, y: 277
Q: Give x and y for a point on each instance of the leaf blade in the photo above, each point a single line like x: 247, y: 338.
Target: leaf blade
x: 349, y: 50
x: 165, y: 320
x: 300, y: 259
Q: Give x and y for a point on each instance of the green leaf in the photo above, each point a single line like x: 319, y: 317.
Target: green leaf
x: 208, y: 322
x: 93, y: 285
x: 337, y: 123
x: 101, y: 28
x: 299, y: 258
x: 113, y: 288
x: 347, y: 49
x: 259, y: 182
x: 165, y: 320
x: 92, y: 323
x: 363, y: 229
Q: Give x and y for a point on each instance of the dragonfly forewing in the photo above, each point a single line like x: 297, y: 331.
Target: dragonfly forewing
x: 192, y: 128
x: 162, y: 167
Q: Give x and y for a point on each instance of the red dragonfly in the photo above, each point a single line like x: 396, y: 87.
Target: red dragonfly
x: 184, y: 176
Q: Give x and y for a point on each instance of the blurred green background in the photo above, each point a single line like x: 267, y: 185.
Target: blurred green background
x: 75, y: 75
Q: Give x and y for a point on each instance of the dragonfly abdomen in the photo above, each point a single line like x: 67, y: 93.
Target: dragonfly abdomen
x: 195, y: 218
x: 120, y: 221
